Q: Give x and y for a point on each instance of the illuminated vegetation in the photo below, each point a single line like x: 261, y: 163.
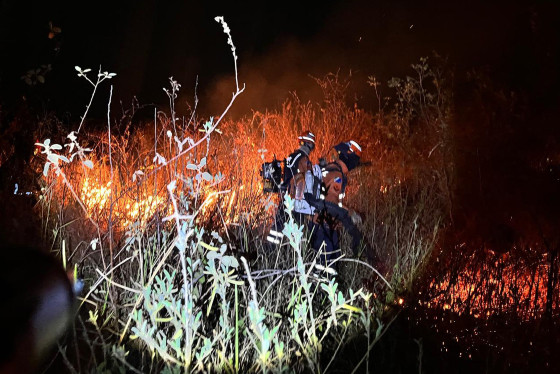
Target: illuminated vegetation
x: 166, y: 222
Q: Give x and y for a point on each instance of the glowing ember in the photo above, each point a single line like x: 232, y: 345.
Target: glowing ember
x: 96, y: 198
x: 490, y: 289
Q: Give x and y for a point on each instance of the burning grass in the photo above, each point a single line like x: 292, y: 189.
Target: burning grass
x: 492, y: 284
x: 166, y: 223
x: 170, y: 211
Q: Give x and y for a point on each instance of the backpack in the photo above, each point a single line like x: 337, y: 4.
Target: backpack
x: 305, y: 186
x: 271, y: 172
x: 334, y: 183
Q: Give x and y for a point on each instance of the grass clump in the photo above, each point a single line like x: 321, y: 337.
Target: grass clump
x: 169, y: 234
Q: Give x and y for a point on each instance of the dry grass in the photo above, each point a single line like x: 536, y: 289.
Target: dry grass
x: 113, y: 222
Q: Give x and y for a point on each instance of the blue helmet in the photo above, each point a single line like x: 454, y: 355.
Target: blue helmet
x: 349, y: 153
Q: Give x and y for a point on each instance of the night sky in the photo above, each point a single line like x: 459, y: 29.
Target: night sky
x: 280, y: 44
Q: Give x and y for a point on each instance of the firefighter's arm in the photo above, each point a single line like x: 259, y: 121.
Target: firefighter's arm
x: 354, y: 232
x: 303, y: 164
x: 355, y: 217
x: 292, y: 163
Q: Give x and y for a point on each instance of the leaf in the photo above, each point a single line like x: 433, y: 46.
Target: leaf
x: 219, y: 177
x: 339, y: 298
x: 41, y: 79
x: 351, y: 308
x: 379, y: 329
x: 191, y: 166
x: 136, y: 175
x: 88, y: 163
x: 202, y: 162
x: 230, y: 261
x: 177, y: 334
x: 159, y: 158
x: 389, y: 297
x: 213, y: 255
x: 207, y: 246
x: 46, y: 168
x: 53, y: 158
x: 207, y: 176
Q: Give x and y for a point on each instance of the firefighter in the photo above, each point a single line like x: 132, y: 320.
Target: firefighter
x: 300, y: 178
x: 330, y: 215
x: 298, y: 162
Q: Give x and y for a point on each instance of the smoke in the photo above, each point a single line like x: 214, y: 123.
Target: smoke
x: 280, y: 45
x: 360, y: 39
x: 269, y: 80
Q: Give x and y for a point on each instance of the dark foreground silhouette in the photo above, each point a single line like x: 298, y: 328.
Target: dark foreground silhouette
x: 37, y: 307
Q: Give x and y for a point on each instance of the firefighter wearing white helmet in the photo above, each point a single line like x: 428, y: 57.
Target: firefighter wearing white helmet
x: 300, y: 178
x: 298, y: 162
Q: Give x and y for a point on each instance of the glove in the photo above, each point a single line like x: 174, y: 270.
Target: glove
x: 317, y: 172
x: 355, y: 217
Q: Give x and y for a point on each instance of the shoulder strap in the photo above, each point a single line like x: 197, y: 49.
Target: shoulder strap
x: 334, y: 167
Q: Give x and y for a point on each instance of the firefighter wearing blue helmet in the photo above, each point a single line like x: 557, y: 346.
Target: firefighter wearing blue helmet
x: 330, y: 214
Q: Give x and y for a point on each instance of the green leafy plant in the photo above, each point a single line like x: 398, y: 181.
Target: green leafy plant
x: 187, y: 284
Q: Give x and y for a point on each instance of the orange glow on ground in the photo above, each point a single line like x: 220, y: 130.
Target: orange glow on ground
x: 491, y: 289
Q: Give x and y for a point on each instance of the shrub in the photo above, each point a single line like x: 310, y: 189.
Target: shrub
x: 169, y: 237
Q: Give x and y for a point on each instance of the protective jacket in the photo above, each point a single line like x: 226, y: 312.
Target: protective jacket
x: 330, y: 214
x: 296, y: 163
x: 334, y: 182
x: 300, y: 178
